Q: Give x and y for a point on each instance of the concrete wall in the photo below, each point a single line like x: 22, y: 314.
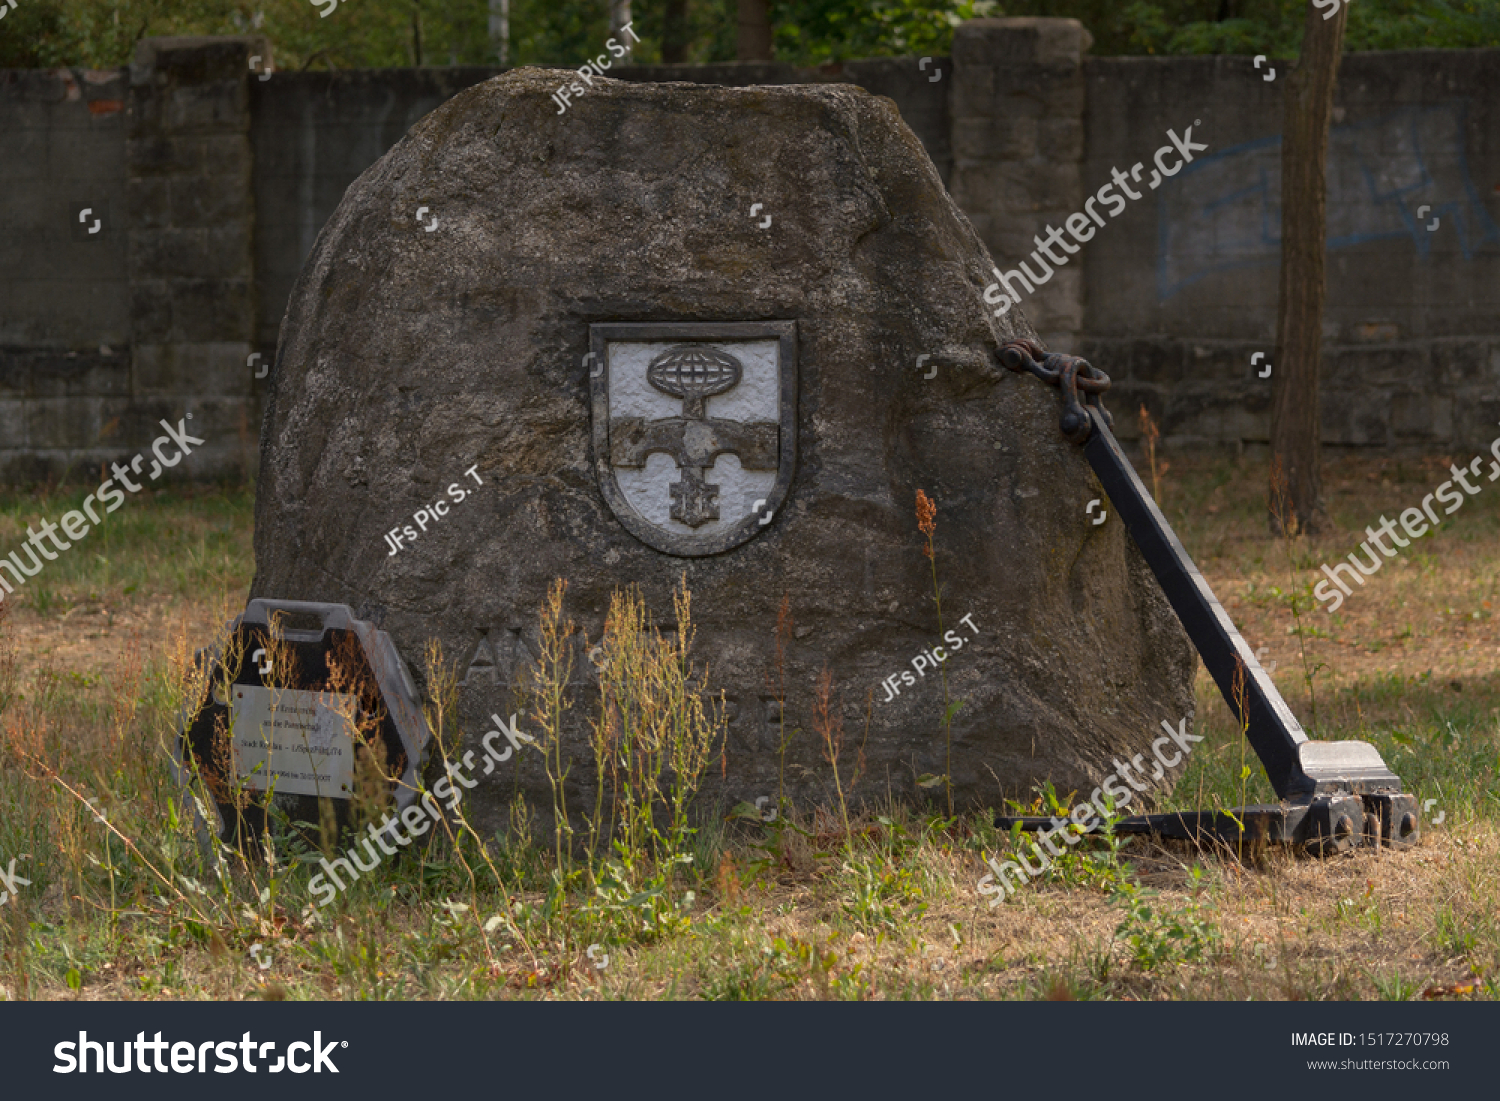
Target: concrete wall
x: 313, y: 134
x: 140, y: 309
x: 1180, y: 290
x: 211, y: 184
x: 64, y: 292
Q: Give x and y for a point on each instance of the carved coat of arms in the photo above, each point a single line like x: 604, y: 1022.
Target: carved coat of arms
x: 695, y: 429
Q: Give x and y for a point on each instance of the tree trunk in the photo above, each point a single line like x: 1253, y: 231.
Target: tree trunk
x: 619, y: 19
x: 754, y: 42
x: 500, y: 30
x: 674, y: 33
x: 1296, y: 442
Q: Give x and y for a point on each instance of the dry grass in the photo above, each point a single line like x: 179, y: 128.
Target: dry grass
x: 885, y: 907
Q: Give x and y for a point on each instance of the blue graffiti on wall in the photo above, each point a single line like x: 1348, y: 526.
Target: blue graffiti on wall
x: 1225, y: 212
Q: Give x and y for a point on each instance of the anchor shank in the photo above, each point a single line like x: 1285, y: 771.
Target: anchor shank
x: 1273, y: 731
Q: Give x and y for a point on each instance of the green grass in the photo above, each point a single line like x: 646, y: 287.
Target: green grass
x: 180, y: 543
x: 808, y: 906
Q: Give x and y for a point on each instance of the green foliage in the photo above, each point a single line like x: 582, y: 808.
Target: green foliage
x: 1156, y: 937
x: 1395, y: 988
x: 811, y: 32
x: 881, y: 895
x: 781, y: 967
x: 1363, y: 912
x: 374, y: 34
x: 1271, y: 27
x: 1092, y: 861
x: 646, y: 915
x: 652, y: 741
x: 369, y: 34
x: 1423, y: 24
x: 543, y: 33
x: 1463, y: 935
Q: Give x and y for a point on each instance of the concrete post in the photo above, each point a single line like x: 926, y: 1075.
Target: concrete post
x: 191, y: 217
x: 1018, y: 101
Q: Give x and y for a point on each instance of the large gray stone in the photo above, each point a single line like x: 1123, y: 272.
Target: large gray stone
x: 407, y: 356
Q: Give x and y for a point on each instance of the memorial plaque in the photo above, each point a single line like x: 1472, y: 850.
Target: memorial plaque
x: 280, y: 736
x: 293, y: 742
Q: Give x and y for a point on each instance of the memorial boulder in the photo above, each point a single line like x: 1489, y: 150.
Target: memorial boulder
x: 726, y: 335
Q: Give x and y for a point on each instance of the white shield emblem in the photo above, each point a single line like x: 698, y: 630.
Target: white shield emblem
x: 695, y: 429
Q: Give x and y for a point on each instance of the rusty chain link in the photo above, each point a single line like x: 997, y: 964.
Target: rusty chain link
x: 1070, y: 374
